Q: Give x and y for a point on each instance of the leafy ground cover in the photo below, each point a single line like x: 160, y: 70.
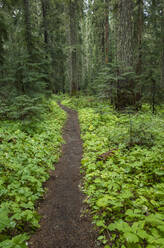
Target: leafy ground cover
x: 123, y: 164
x: 28, y: 151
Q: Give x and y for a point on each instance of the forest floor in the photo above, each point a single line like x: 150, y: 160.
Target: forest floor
x: 63, y: 225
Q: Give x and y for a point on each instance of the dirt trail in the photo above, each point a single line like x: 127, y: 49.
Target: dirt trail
x: 61, y: 224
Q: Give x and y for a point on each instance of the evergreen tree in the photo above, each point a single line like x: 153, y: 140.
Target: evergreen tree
x: 162, y: 44
x: 111, y: 48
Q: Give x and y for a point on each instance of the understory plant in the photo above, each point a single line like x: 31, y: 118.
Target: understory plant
x: 123, y: 165
x: 28, y: 151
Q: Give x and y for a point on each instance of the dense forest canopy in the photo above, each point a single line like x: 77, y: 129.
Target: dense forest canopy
x: 110, y: 48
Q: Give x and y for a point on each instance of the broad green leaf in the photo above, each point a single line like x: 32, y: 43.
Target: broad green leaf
x: 103, y: 202
x: 131, y: 237
x: 100, y: 223
x: 142, y: 234
x: 120, y: 226
x: 161, y: 228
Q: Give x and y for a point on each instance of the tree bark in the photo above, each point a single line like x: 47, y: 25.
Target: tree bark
x: 107, y: 31
x: 73, y: 46
x: 139, y: 36
x: 27, y: 22
x: 45, y: 7
x: 102, y: 28
x: 125, y: 52
x: 162, y: 46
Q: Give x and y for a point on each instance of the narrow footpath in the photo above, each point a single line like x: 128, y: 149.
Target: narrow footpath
x: 62, y: 225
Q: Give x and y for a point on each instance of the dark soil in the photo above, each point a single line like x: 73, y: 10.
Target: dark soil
x: 62, y: 225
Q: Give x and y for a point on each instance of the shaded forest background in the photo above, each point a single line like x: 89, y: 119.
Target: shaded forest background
x: 112, y: 48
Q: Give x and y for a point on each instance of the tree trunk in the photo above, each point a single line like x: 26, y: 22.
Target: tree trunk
x: 45, y: 7
x: 139, y: 34
x: 162, y: 46
x: 102, y: 28
x: 125, y: 52
x: 73, y: 46
x: 27, y: 22
x: 107, y: 31
x: 139, y: 38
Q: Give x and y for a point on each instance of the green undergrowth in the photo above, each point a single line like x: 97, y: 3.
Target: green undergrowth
x: 123, y: 164
x: 77, y: 102
x: 28, y: 150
